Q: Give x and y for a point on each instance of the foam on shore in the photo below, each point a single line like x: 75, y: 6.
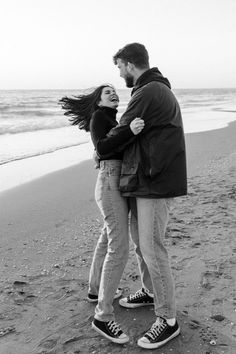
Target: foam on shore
x: 18, y: 172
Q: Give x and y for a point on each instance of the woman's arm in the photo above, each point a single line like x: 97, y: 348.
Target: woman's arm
x: 106, y: 144
x: 99, y: 127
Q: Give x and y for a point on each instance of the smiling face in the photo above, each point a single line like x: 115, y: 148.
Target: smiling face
x: 109, y: 98
x: 125, y: 72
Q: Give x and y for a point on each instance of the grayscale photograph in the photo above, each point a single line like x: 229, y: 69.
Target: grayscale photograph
x: 117, y: 177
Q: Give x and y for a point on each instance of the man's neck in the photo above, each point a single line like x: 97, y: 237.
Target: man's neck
x: 138, y: 73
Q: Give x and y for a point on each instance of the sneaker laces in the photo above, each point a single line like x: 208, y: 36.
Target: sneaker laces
x: 114, y: 327
x: 156, y: 328
x: 139, y: 294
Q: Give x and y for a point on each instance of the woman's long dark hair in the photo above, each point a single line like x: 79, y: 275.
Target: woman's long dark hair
x: 80, y: 108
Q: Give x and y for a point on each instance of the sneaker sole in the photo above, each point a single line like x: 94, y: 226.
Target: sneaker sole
x: 118, y: 294
x: 133, y: 306
x: 159, y: 344
x: 114, y: 340
x: 92, y: 300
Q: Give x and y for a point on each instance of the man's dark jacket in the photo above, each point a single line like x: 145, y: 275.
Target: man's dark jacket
x: 154, y: 164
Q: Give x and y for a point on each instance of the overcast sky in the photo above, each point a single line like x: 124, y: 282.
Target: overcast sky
x: 70, y: 43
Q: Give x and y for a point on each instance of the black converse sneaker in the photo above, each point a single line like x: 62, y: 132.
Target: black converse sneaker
x: 159, y: 334
x: 140, y: 298
x: 94, y: 298
x: 110, y: 330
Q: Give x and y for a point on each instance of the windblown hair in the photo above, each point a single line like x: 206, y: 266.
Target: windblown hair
x: 134, y: 53
x: 80, y: 108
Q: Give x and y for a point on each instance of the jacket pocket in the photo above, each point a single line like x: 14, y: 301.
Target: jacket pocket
x: 129, y: 179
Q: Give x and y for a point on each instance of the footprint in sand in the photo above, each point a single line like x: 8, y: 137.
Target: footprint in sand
x: 21, y: 293
x: 7, y: 330
x: 207, y: 334
x: 233, y: 329
x: 49, y: 343
x: 206, y: 280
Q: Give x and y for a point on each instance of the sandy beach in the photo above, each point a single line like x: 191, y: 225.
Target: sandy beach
x: 49, y: 229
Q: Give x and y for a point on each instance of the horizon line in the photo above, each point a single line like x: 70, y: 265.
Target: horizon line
x: 118, y: 88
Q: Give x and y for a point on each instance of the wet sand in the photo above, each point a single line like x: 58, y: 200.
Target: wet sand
x: 49, y: 229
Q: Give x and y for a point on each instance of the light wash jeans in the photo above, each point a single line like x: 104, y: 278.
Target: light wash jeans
x: 150, y: 217
x: 111, y: 253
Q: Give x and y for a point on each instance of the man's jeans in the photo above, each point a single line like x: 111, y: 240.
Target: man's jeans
x: 111, y: 253
x: 152, y: 255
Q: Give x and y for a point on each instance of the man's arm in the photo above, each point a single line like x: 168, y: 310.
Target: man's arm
x: 107, y: 144
x: 137, y: 107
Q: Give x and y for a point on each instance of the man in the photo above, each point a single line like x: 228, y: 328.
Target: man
x: 153, y: 173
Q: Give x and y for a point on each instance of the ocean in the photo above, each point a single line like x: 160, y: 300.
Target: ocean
x: 32, y: 123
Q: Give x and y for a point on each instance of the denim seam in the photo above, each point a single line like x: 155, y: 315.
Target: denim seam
x: 163, y: 286
x: 110, y: 172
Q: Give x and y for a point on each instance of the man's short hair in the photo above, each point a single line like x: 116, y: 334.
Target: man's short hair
x: 134, y: 53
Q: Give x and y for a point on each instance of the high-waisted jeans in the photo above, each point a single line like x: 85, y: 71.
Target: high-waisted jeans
x: 111, y: 253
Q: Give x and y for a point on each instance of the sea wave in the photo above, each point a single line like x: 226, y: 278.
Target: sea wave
x: 29, y: 112
x: 27, y: 144
x: 39, y: 153
x: 32, y: 122
x: 16, y: 125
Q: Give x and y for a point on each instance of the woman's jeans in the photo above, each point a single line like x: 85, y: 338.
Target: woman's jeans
x: 149, y: 218
x: 111, y: 253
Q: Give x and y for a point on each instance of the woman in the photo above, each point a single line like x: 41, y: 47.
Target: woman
x: 96, y: 112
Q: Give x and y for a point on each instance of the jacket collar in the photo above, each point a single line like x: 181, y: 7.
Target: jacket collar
x: 150, y: 75
x: 111, y: 112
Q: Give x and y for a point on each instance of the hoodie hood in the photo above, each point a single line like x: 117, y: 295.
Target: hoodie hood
x: 152, y: 74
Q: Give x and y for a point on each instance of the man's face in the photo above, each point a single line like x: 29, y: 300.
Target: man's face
x: 124, y: 73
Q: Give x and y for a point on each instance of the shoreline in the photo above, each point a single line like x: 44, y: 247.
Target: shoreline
x: 19, y: 172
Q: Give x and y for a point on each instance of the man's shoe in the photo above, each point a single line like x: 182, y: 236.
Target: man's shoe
x: 110, y: 330
x: 139, y: 299
x: 94, y: 298
x: 159, y: 334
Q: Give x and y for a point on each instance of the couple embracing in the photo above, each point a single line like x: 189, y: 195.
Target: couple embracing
x: 142, y: 168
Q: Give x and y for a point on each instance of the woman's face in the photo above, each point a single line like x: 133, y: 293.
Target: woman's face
x: 109, y: 97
